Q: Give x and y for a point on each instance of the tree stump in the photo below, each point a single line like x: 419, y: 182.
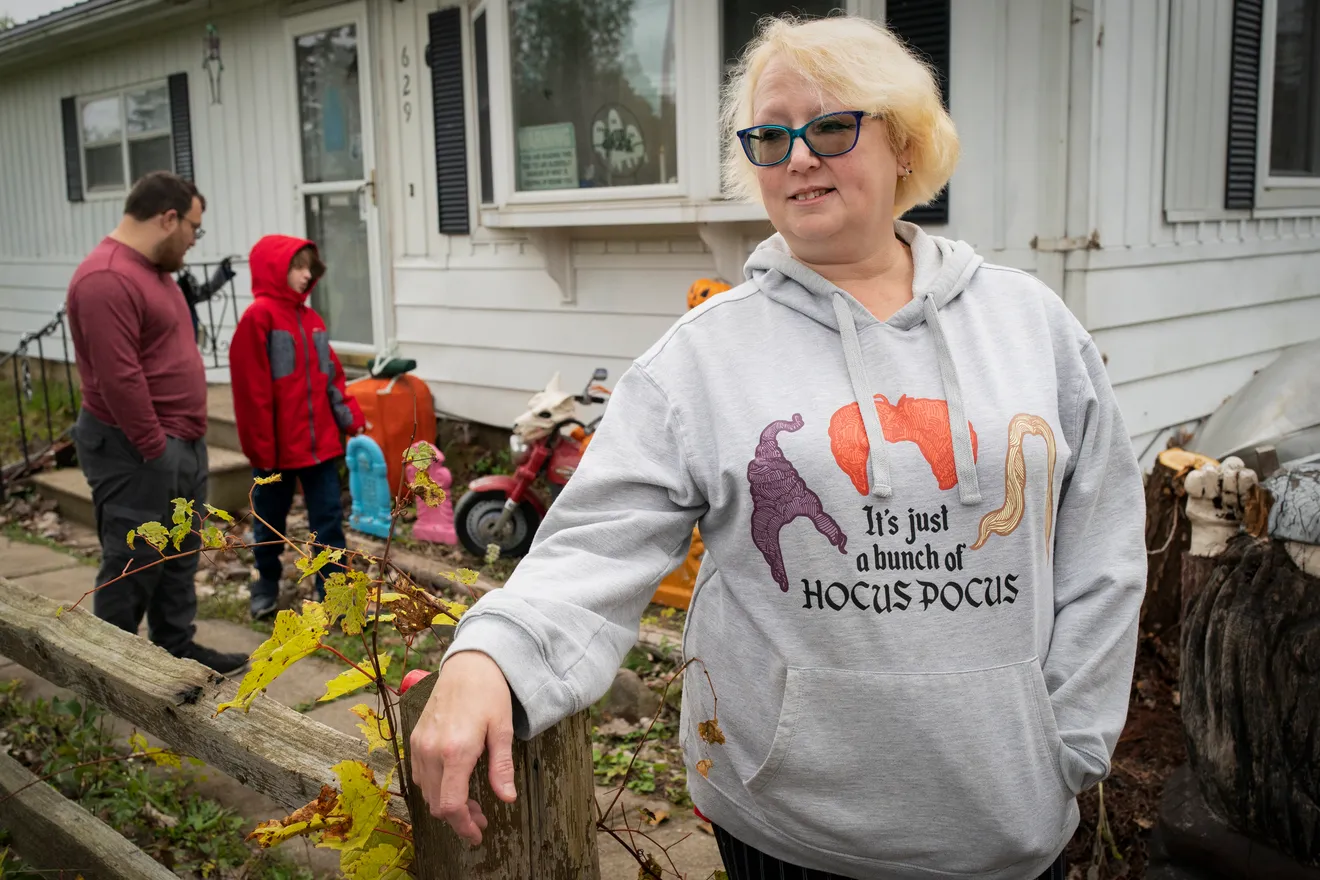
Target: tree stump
x: 1168, y: 535
x: 1250, y: 701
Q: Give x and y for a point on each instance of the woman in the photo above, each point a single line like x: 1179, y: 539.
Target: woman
x: 922, y: 513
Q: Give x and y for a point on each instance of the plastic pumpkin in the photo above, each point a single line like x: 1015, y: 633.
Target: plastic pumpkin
x: 703, y: 289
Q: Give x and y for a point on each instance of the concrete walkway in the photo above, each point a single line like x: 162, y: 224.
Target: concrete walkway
x: 64, y: 578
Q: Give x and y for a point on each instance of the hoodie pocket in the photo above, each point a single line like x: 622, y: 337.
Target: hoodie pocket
x: 282, y: 352
x: 954, y: 772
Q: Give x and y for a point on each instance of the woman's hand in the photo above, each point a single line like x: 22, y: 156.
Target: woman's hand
x: 470, y: 711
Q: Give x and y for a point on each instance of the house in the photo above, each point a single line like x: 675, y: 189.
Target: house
x: 506, y: 189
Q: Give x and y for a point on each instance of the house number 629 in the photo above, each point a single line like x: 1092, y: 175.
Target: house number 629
x: 407, y: 85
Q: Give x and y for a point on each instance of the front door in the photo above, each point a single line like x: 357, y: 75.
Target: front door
x: 336, y: 190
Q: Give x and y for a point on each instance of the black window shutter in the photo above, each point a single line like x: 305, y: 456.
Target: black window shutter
x: 925, y: 26
x: 444, y: 54
x: 72, y: 150
x: 1243, y: 94
x: 181, y: 125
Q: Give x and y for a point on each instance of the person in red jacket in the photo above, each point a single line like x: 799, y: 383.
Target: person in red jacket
x: 291, y: 406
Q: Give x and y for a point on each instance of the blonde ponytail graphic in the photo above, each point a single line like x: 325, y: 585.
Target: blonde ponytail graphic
x: 1007, y: 518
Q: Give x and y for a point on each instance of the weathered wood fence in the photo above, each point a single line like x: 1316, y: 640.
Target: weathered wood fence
x: 548, y: 834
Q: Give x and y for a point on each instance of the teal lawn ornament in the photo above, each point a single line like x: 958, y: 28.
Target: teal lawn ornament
x: 369, y: 484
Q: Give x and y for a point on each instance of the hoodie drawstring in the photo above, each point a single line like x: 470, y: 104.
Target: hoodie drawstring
x: 969, y: 489
x: 861, y: 386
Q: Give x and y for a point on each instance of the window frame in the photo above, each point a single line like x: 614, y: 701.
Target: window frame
x: 697, y: 196
x: 1276, y: 195
x: 91, y: 193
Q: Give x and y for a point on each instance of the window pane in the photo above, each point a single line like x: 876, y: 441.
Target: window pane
x: 1295, y: 127
x: 105, y: 167
x: 330, y: 105
x: 148, y: 111
x: 593, y: 92
x: 100, y: 120
x: 343, y: 296
x: 741, y: 16
x: 481, y: 50
x: 154, y: 154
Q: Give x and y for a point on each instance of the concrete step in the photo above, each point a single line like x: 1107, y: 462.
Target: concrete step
x: 221, y: 429
x: 230, y: 480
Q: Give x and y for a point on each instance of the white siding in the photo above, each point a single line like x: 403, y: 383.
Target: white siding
x: 244, y: 155
x: 486, y: 323
x: 1184, y: 311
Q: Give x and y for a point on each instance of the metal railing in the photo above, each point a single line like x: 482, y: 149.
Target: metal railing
x: 213, y: 301
x: 50, y: 403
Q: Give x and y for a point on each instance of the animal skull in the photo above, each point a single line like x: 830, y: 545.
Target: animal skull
x: 544, y: 411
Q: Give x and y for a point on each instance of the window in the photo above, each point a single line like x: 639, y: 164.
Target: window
x: 593, y: 88
x: 481, y: 51
x: 124, y: 136
x: 739, y: 18
x: 1295, y: 117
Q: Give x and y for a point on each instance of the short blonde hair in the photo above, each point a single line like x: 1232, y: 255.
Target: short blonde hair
x: 866, y: 67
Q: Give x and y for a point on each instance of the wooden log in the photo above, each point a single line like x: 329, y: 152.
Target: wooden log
x: 272, y: 749
x: 1168, y: 535
x: 53, y: 833
x: 548, y: 833
x: 1250, y: 707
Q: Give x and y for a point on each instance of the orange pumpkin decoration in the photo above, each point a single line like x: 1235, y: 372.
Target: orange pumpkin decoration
x: 703, y: 289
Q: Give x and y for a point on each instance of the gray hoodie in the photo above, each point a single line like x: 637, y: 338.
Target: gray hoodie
x: 919, y: 615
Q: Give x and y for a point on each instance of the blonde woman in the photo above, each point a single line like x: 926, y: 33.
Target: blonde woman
x: 922, y: 513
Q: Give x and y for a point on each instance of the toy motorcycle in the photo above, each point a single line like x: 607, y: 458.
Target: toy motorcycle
x: 549, y: 438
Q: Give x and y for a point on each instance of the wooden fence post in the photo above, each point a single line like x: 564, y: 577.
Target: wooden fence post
x: 549, y: 833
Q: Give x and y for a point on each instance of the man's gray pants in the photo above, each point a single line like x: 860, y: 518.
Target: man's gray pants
x: 127, y: 492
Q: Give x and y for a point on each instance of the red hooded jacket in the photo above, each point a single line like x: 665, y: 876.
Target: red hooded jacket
x: 290, y: 402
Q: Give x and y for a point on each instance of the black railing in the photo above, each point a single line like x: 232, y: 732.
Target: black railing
x: 44, y: 408
x: 213, y: 300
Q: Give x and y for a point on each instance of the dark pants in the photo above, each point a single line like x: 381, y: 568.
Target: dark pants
x: 127, y: 492
x: 743, y: 862
x: 325, y: 517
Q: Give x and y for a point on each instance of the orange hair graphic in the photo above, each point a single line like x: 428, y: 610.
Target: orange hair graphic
x: 1006, y: 519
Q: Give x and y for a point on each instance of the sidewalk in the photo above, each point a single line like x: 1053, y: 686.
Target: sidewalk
x: 64, y: 578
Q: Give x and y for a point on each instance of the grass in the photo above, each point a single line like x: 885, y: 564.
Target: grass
x: 64, y: 410
x: 156, y: 809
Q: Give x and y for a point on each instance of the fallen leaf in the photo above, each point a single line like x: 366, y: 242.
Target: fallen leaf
x: 710, y: 731
x: 653, y: 817
x: 1144, y: 824
x: 704, y: 828
x: 703, y: 767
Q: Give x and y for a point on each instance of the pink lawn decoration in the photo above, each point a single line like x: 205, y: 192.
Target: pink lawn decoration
x: 434, y: 523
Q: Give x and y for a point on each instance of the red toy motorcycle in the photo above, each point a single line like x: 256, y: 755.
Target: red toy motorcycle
x: 503, y: 509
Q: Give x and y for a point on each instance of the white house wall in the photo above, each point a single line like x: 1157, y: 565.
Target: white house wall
x: 1185, y: 311
x: 243, y: 152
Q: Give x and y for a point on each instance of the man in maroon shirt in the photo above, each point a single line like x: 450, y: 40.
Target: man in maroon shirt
x: 141, y: 432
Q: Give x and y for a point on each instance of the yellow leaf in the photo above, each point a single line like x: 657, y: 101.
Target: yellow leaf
x: 295, y: 637
x: 467, y: 577
x: 346, y: 598
x: 154, y: 534
x: 266, y: 481
x: 385, y: 861
x: 309, y: 567
x: 183, y: 511
x: 361, y: 801
x: 653, y: 817
x: 710, y: 731
x: 351, y: 679
x: 138, y: 743
x: 453, y: 611
x: 59, y: 612
x: 223, y: 514
x: 213, y: 538
x: 413, y: 608
x: 426, y: 489
x: 307, y: 821
x: 668, y: 613
x: 375, y: 728
x: 703, y: 767
x: 132, y: 536
x: 180, y: 533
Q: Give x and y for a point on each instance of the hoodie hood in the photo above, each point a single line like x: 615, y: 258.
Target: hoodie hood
x: 941, y: 271
x: 269, y: 262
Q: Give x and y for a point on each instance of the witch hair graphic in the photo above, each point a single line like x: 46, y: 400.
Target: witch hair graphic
x: 779, y: 496
x: 1006, y: 519
x: 920, y: 420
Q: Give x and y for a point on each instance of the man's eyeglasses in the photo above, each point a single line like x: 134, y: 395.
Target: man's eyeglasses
x: 198, y: 231
x: 832, y: 134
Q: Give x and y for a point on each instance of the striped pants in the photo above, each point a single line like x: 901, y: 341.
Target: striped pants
x: 743, y: 862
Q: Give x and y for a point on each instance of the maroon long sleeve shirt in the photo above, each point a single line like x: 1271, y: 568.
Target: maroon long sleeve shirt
x: 137, y: 356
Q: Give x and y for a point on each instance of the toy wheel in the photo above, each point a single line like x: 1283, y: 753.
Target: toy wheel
x: 476, y: 519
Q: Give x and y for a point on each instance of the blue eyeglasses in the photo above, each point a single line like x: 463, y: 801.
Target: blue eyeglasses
x: 832, y: 134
